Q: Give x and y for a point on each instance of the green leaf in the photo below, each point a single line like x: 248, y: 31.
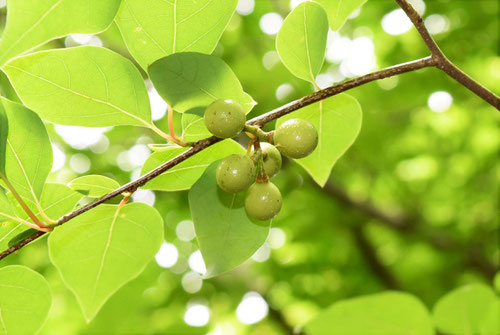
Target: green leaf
x: 193, y: 128
x: 165, y: 27
x: 31, y: 23
x: 490, y: 324
x: 389, y: 313
x: 338, y: 122
x: 4, y: 131
x: 83, y: 86
x: 301, y: 41
x: 103, y: 249
x: 29, y: 153
x: 462, y: 310
x: 25, y: 300
x: 339, y: 10
x: 21, y: 236
x: 191, y: 81
x: 93, y: 185
x: 226, y: 236
x: 7, y: 212
x: 184, y: 175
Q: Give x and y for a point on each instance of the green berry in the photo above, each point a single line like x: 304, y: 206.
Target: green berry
x: 235, y: 173
x: 296, y: 138
x: 272, y: 159
x: 225, y: 118
x: 263, y: 201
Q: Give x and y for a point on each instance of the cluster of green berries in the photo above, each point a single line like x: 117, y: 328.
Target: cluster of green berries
x: 295, y: 138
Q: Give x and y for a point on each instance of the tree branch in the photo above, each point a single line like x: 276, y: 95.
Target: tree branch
x: 444, y: 63
x: 205, y: 143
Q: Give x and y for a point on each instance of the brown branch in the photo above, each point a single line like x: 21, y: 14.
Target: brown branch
x: 444, y: 63
x: 260, y: 121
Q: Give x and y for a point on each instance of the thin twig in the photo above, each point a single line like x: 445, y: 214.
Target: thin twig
x: 444, y: 63
x: 259, y: 121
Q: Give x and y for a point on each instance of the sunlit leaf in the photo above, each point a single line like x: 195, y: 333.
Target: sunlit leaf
x: 30, y: 23
x: 338, y: 122
x: 339, y: 10
x: 193, y: 128
x: 103, y: 249
x: 83, y: 86
x: 462, y: 310
x: 25, y: 300
x: 191, y: 81
x: 162, y: 28
x: 93, y: 185
x: 390, y: 313
x: 28, y: 153
x: 185, y: 174
x: 4, y: 131
x: 301, y: 41
x: 225, y: 234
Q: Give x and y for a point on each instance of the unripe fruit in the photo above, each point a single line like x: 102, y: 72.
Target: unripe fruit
x: 235, y: 173
x: 263, y: 201
x: 296, y: 138
x: 225, y: 118
x: 272, y: 159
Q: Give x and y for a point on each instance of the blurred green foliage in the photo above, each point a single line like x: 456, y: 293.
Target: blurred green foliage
x: 438, y: 172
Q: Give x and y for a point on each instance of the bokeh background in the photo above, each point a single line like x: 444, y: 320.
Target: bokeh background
x: 412, y: 205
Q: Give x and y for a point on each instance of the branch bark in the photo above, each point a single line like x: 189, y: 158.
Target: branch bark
x: 444, y: 63
x: 437, y: 59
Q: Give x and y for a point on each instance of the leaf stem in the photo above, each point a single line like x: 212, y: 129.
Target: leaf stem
x: 21, y: 202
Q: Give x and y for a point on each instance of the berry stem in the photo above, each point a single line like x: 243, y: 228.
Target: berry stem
x: 257, y: 132
x: 262, y: 176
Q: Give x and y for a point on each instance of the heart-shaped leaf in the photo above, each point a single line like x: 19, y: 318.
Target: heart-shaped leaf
x: 389, y: 313
x: 185, y: 174
x: 338, y: 122
x: 191, y: 81
x: 83, y: 86
x: 162, y: 28
x: 339, y: 10
x: 32, y: 23
x: 25, y: 300
x: 301, y: 41
x: 462, y: 310
x: 226, y: 235
x: 103, y: 249
x: 93, y: 185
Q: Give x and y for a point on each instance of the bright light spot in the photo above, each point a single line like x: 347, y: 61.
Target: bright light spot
x: 144, y: 196
x: 252, y: 308
x: 158, y: 105
x: 270, y: 23
x: 3, y: 3
x: 192, y: 282
x: 262, y: 254
x: 440, y: 101
x: 436, y: 24
x: 197, y: 315
x: 277, y: 238
x: 417, y: 168
x: 419, y: 6
x: 396, y: 22
x: 82, y: 39
x: 245, y: 7
x: 284, y: 91
x: 79, y: 163
x: 185, y: 230
x: 388, y: 83
x: 270, y: 59
x: 361, y: 59
x: 59, y: 158
x: 338, y: 48
x: 80, y: 138
x: 138, y: 154
x: 354, y: 14
x: 295, y: 3
x: 167, y: 256
x: 196, y: 262
x: 101, y: 146
x: 324, y: 80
